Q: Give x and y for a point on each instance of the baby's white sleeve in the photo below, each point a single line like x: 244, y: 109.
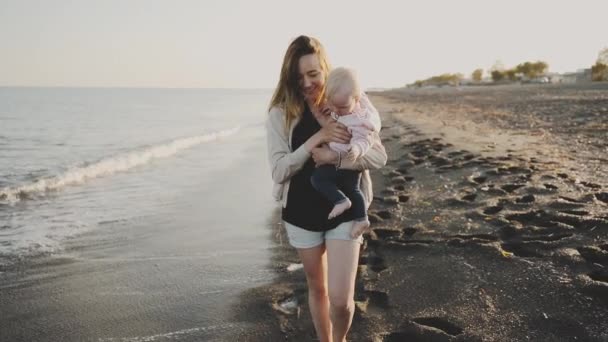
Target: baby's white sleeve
x: 371, y: 111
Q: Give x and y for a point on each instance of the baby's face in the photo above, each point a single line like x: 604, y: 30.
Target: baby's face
x: 342, y: 104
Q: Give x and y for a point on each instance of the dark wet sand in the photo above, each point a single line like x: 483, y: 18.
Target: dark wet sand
x: 486, y: 227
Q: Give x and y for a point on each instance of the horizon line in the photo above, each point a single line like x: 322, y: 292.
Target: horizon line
x: 157, y: 87
x: 130, y: 87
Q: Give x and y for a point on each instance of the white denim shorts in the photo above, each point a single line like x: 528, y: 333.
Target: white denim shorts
x: 302, y: 238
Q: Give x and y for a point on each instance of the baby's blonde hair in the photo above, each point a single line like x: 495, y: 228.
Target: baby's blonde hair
x: 344, y: 81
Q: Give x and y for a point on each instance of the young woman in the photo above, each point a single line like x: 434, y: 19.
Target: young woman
x: 298, y: 131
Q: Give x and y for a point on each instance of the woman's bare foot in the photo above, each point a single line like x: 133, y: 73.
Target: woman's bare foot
x: 359, y: 227
x: 339, y: 209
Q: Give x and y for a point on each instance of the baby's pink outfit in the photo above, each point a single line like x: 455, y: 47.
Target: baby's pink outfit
x: 361, y: 123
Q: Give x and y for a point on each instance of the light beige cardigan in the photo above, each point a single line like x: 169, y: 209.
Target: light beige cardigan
x: 284, y: 162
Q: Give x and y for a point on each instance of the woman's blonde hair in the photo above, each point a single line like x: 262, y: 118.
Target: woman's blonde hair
x: 288, y: 94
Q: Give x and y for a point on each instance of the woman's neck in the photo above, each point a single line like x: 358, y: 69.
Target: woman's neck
x: 311, y: 104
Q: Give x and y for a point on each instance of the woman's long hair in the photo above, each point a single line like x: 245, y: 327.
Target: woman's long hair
x: 288, y: 94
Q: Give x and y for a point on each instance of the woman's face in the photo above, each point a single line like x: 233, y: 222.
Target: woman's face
x: 311, y: 76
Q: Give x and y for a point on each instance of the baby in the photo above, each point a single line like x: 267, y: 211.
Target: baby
x: 352, y: 108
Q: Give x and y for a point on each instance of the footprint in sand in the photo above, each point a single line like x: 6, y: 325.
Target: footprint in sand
x: 385, y: 234
x: 428, y: 329
x: 469, y: 197
x: 602, y: 196
x: 493, y: 210
x: 400, y: 187
x: 382, y: 214
x: 403, y: 198
x: 594, y: 254
x: 511, y: 187
x: 525, y: 199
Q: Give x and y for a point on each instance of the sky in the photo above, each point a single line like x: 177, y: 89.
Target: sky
x: 240, y: 43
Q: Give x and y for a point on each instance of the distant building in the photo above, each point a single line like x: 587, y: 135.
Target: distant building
x: 555, y: 77
x: 581, y: 75
x: 539, y: 79
x: 466, y: 81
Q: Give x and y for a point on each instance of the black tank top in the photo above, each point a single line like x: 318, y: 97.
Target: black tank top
x: 306, y: 207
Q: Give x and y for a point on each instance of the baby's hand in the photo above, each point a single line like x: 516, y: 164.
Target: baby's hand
x: 354, y: 152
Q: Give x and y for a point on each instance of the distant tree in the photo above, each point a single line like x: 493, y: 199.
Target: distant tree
x: 524, y: 68
x: 532, y: 70
x: 497, y: 75
x: 539, y: 68
x: 511, y: 74
x: 498, y: 71
x: 443, y: 79
x: 477, y: 75
x: 599, y: 72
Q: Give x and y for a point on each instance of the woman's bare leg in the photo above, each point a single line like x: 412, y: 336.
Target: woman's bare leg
x: 342, y: 260
x: 315, y: 266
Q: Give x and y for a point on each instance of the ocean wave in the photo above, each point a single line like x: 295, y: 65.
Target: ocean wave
x: 107, y: 166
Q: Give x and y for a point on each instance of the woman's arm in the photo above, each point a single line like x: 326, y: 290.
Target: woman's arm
x: 374, y: 159
x: 283, y: 162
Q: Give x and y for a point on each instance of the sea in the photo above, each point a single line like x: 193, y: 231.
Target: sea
x: 131, y: 214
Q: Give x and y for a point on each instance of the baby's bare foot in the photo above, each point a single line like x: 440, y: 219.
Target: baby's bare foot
x: 359, y: 227
x: 339, y: 208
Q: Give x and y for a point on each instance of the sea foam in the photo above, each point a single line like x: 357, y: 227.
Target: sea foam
x: 108, y: 166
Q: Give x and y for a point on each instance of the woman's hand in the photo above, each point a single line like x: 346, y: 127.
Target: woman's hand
x: 323, y: 116
x: 333, y: 131
x: 323, y: 155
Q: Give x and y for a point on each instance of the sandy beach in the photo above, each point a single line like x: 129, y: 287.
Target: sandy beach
x: 490, y: 223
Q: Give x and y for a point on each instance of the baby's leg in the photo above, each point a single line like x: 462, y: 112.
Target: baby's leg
x: 324, y: 180
x: 340, y: 208
x: 349, y: 181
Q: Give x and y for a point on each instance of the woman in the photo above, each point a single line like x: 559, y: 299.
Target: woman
x: 298, y: 131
